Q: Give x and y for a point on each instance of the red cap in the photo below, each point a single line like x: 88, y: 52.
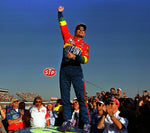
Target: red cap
x: 116, y: 101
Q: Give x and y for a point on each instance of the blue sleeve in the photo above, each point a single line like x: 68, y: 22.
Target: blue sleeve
x: 8, y: 115
x: 60, y: 14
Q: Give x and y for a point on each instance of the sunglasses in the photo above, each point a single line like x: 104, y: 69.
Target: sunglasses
x: 110, y: 103
x: 94, y: 101
x: 15, y: 101
x: 99, y: 104
x: 37, y: 101
x: 79, y: 28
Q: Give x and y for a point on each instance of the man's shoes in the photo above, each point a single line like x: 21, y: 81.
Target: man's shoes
x: 66, y: 126
x: 86, y: 128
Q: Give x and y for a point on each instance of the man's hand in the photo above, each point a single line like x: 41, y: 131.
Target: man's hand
x: 60, y: 9
x: 104, y: 110
x: 110, y: 111
x: 71, y: 55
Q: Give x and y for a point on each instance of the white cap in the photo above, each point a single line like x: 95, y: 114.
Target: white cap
x: 119, y: 89
x: 101, y: 102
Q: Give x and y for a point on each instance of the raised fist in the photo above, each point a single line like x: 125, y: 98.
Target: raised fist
x: 60, y: 9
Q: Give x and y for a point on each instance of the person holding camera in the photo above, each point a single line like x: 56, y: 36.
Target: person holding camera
x: 111, y: 121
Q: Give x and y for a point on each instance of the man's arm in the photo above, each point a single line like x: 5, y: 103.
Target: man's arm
x: 85, y: 55
x: 116, y: 122
x: 0, y: 124
x: 48, y: 123
x: 113, y: 118
x: 63, y: 24
x: 2, y: 113
x: 101, y: 122
x: 47, y: 117
x: 10, y: 122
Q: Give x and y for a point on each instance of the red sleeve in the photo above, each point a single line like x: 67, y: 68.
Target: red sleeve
x: 63, y: 26
x: 47, y: 117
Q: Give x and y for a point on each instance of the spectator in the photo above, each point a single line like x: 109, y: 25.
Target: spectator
x: 75, y: 114
x: 2, y: 112
x: 26, y: 117
x: 14, y: 116
x: 2, y: 129
x: 145, y: 115
x: 52, y: 113
x: 99, y: 96
x: 3, y: 117
x: 59, y: 109
x: 103, y: 93
x: 93, y: 108
x: 112, y: 91
x: 39, y: 114
x: 119, y: 93
x: 96, y: 117
x: 111, y: 121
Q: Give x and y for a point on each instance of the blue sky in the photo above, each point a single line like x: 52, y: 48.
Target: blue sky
x: 118, y: 32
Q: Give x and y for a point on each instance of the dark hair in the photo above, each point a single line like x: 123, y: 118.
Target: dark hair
x: 59, y: 101
x: 38, y: 97
x: 80, y: 25
x: 21, y: 105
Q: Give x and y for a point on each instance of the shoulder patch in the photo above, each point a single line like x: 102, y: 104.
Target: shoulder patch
x: 70, y: 40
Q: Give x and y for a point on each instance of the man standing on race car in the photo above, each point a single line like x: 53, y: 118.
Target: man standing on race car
x: 75, y: 53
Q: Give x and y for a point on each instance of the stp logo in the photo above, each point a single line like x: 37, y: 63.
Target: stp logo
x: 49, y: 72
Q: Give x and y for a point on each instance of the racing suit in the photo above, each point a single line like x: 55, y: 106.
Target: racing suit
x: 71, y: 71
x: 12, y: 114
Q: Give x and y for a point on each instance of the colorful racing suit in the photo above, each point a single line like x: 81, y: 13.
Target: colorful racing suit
x: 71, y: 71
x: 12, y: 114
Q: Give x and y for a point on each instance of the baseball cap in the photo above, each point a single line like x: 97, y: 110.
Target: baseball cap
x: 116, y: 101
x: 119, y: 89
x: 101, y: 102
x: 83, y: 25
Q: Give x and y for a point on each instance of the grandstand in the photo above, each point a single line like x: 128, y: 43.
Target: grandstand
x: 5, y: 96
x: 26, y: 97
x: 29, y: 97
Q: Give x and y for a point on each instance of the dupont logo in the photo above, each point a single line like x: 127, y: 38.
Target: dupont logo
x: 49, y: 72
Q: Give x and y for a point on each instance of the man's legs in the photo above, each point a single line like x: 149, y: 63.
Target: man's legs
x: 65, y: 84
x: 67, y: 75
x: 80, y: 91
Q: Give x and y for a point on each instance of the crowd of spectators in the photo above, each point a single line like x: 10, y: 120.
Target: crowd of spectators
x: 29, y: 97
x: 5, y: 97
x: 134, y: 112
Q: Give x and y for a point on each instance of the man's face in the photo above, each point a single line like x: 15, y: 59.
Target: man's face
x: 94, y: 101
x: 76, y: 105
x: 113, y: 106
x: 118, y: 91
x: 38, y: 102
x: 80, y: 32
x: 99, y: 106
x: 49, y: 106
x: 15, y: 103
